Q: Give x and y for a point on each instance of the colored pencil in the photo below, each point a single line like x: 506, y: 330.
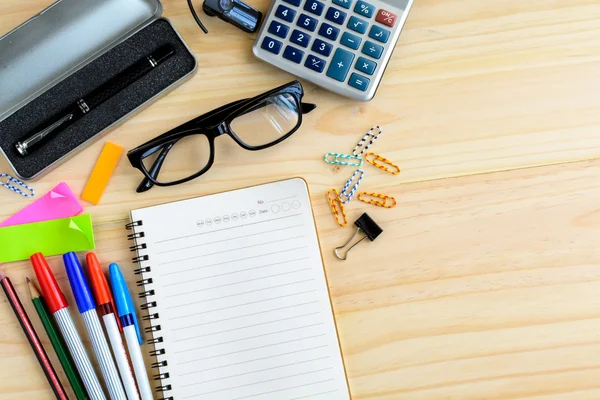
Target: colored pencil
x: 57, y: 342
x: 33, y: 338
x: 58, y: 306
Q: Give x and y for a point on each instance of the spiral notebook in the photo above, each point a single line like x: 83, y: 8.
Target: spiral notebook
x: 237, y: 297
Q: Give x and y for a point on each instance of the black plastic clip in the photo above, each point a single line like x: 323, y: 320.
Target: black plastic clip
x: 366, y: 226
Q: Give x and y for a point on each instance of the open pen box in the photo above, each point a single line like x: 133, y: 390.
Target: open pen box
x: 66, y: 52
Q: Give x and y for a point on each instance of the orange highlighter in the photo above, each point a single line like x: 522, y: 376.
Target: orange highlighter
x: 106, y: 310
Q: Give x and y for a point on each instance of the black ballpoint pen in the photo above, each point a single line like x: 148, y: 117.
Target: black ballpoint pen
x: 95, y: 99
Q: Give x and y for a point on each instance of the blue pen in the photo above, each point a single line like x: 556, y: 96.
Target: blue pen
x: 87, y: 307
x: 127, y: 315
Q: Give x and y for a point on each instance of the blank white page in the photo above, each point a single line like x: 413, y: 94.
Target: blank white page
x: 243, y: 303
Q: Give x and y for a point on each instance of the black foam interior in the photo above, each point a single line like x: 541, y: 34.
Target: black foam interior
x: 49, y: 105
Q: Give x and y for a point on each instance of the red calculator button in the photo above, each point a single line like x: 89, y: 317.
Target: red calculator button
x: 386, y: 18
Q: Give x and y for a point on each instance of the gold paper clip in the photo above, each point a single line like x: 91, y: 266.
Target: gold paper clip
x: 337, y: 208
x: 382, y: 163
x: 377, y: 199
x: 366, y: 226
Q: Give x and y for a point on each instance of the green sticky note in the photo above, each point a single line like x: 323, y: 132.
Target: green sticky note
x: 54, y: 237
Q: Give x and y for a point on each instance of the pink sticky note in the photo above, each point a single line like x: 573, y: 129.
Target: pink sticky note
x: 60, y: 202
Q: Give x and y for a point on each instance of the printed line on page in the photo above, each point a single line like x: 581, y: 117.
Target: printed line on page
x: 230, y: 261
x: 229, y: 239
x: 288, y: 388
x: 255, y: 359
x: 231, y: 227
x: 314, y: 394
x: 242, y: 293
x: 239, y: 283
x: 236, y: 272
x: 244, y: 304
x: 256, y: 371
x: 245, y: 315
x: 248, y: 326
x: 284, y: 198
x: 250, y: 349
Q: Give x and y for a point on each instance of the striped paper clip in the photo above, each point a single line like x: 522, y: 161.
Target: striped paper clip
x: 351, y: 184
x: 367, y: 141
x: 16, y: 185
x: 377, y: 199
x: 337, y: 208
x: 343, y: 159
x: 382, y: 163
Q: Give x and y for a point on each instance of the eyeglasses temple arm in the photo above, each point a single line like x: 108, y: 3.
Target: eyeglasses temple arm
x: 307, y: 107
x: 146, y: 183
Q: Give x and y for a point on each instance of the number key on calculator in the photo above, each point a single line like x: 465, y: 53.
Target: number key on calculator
x: 341, y: 45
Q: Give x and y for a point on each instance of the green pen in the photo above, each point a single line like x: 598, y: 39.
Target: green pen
x: 57, y: 343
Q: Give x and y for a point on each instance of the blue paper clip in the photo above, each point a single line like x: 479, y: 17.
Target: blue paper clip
x: 11, y: 183
x: 338, y: 159
x: 356, y: 177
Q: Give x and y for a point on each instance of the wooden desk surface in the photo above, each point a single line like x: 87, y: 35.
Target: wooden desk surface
x: 486, y: 281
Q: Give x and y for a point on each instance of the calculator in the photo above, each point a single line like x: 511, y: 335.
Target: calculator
x: 341, y: 45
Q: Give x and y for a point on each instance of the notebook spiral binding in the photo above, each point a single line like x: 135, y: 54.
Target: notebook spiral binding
x: 144, y: 270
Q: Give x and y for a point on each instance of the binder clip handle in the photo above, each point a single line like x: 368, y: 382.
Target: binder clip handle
x: 367, y: 227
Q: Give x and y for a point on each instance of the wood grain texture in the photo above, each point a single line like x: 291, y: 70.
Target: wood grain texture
x: 485, y: 282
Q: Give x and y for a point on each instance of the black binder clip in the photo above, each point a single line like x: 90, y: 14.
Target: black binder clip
x: 365, y: 225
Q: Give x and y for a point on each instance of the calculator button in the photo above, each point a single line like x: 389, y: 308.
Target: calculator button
x: 366, y: 66
x: 335, y: 15
x: 293, y: 54
x: 271, y: 45
x: 308, y: 23
x: 285, y: 13
x: 300, y: 38
x: 372, y: 49
x: 321, y: 47
x: 279, y: 29
x: 365, y: 9
x: 315, y: 63
x: 386, y: 18
x: 314, y: 6
x: 379, y: 34
x: 359, y: 82
x: 294, y: 2
x: 343, y: 3
x: 358, y: 25
x: 328, y: 31
x: 340, y: 64
x: 350, y: 40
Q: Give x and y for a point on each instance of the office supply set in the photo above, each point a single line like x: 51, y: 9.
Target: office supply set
x: 39, y: 127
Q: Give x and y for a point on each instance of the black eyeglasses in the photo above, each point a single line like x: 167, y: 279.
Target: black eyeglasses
x: 188, y: 151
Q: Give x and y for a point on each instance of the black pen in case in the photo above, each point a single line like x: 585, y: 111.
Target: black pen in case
x: 94, y: 99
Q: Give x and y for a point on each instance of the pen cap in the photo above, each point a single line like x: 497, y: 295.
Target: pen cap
x: 123, y: 299
x: 100, y: 285
x: 79, y: 285
x: 53, y: 296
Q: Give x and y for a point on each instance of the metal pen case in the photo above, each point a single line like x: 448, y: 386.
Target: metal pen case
x: 68, y: 50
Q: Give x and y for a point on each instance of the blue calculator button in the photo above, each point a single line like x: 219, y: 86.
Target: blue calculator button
x: 372, y: 49
x: 365, y: 9
x: 329, y: 31
x: 315, y: 63
x: 359, y: 82
x: 379, y: 34
x: 350, y: 40
x: 335, y: 15
x: 279, y: 29
x: 322, y: 47
x: 308, y: 23
x: 343, y: 3
x: 293, y: 54
x: 285, y: 13
x: 300, y: 38
x: 272, y: 45
x: 366, y: 66
x: 340, y: 64
x: 294, y: 2
x: 314, y: 6
x: 358, y: 25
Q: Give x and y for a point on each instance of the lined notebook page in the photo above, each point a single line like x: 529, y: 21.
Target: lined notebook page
x: 242, y: 296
